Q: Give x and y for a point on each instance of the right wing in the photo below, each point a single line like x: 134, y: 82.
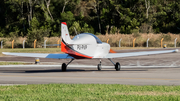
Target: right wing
x: 40, y: 55
x: 118, y: 55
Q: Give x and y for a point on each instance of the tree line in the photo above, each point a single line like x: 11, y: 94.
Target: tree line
x: 39, y: 18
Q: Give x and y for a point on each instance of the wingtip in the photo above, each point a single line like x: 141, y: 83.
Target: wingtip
x: 5, y: 52
x: 176, y: 50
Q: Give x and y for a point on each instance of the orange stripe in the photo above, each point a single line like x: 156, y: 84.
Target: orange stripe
x: 111, y: 51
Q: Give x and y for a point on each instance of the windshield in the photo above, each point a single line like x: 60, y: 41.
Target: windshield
x: 97, y: 39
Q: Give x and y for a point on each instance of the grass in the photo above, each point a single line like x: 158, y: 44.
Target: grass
x: 12, y: 63
x: 84, y: 92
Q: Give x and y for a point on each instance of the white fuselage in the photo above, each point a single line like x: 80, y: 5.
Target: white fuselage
x: 89, y: 45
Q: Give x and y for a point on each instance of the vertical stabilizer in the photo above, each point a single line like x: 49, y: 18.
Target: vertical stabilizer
x: 65, y: 33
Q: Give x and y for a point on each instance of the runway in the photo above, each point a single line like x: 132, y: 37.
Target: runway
x: 143, y: 70
x: 135, y: 76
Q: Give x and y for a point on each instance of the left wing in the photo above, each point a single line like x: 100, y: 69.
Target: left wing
x: 40, y: 55
x: 117, y: 55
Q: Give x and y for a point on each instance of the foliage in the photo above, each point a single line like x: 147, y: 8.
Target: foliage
x: 166, y: 37
x: 87, y: 29
x: 136, y: 34
x: 126, y: 16
x: 67, y: 17
x: 36, y: 34
x: 145, y: 28
x: 155, y: 43
x: 79, y: 29
x: 1, y: 32
x: 178, y: 44
x: 113, y: 30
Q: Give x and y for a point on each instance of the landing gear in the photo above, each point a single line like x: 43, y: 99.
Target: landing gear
x: 64, y: 66
x: 117, y: 65
x: 99, y: 66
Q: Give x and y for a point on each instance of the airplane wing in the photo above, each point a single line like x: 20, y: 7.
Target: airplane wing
x: 117, y: 55
x: 110, y: 55
x: 40, y: 55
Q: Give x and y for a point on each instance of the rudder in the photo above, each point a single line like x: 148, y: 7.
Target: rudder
x: 65, y: 37
x: 65, y: 33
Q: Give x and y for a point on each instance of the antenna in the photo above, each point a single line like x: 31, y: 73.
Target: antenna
x: 75, y: 30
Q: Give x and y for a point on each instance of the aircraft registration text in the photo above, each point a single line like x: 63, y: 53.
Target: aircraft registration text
x: 81, y: 47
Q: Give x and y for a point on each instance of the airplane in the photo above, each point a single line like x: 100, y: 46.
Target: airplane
x: 85, y: 46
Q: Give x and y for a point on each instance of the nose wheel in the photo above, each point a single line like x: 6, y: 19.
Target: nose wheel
x: 99, y: 67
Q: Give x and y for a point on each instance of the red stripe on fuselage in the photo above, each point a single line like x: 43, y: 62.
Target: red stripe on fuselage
x: 72, y: 53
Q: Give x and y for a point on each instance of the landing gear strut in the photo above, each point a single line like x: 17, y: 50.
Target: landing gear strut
x: 64, y: 66
x: 117, y: 65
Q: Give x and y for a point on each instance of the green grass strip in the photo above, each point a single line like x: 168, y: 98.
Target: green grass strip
x: 14, y: 63
x: 86, y: 92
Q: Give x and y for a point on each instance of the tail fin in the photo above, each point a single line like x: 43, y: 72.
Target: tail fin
x: 65, y: 33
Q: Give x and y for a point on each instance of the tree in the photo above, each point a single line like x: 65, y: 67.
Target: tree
x: 36, y: 32
x: 65, y: 2
x: 2, y: 13
x: 147, y: 3
x: 67, y: 17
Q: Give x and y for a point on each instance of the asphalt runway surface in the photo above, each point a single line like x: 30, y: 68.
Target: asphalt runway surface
x: 148, y: 75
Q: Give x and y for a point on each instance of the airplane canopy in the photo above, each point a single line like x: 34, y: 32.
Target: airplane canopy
x: 97, y: 39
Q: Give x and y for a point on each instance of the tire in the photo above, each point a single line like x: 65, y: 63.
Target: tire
x: 99, y: 67
x: 63, y: 67
x: 117, y: 66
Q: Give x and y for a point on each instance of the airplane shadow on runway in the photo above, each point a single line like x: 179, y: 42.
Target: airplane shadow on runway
x: 69, y: 70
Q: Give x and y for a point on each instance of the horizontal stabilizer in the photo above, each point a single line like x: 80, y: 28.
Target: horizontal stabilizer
x: 40, y: 55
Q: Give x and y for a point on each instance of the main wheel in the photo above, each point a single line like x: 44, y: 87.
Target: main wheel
x: 99, y: 67
x: 63, y: 67
x: 117, y: 66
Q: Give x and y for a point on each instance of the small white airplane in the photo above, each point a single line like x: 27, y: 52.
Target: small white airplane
x: 85, y: 46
